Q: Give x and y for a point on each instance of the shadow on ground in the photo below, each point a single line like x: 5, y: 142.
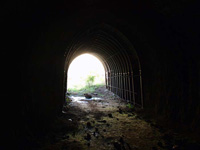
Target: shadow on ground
x: 107, y: 123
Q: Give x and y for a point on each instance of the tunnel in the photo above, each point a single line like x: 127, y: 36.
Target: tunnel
x: 119, y: 58
x: 149, y: 49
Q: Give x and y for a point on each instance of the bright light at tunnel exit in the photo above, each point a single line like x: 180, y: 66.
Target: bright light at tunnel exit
x: 83, y: 66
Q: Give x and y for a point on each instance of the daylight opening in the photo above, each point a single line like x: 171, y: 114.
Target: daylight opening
x: 85, y: 73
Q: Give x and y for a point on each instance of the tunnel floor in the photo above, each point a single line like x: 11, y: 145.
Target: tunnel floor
x: 106, y: 123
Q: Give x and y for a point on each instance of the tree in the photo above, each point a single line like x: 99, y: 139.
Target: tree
x: 90, y: 80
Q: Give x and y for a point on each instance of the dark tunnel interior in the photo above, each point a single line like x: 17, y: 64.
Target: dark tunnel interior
x: 149, y: 49
x: 118, y: 56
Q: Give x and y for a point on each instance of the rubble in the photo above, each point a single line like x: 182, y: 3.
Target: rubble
x: 87, y: 125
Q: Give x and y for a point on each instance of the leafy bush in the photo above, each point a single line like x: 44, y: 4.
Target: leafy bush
x: 85, y: 89
x: 131, y: 106
x: 90, y: 80
x: 68, y: 100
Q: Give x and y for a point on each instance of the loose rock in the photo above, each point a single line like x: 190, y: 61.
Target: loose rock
x: 89, y: 125
x: 87, y: 95
x: 88, y: 137
x: 110, y: 115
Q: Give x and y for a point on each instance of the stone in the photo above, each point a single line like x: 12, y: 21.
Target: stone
x: 89, y: 125
x: 120, y: 110
x: 121, y: 140
x: 97, y: 130
x: 88, y: 96
x: 103, y: 121
x: 117, y: 146
x: 110, y: 115
x: 95, y: 93
x: 129, y: 115
x: 68, y: 93
x: 88, y: 137
x: 88, y: 144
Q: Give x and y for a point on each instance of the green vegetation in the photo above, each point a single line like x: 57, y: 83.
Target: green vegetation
x: 68, y: 100
x: 131, y: 106
x: 90, y: 80
x: 86, y: 89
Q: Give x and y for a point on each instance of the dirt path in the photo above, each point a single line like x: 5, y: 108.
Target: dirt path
x: 104, y: 123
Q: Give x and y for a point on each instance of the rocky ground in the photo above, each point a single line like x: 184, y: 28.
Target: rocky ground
x: 107, y: 123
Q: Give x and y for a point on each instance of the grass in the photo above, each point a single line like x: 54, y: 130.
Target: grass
x: 86, y: 89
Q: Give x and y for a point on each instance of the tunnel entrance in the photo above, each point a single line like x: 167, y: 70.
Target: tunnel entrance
x: 118, y: 56
x: 85, y: 73
x: 86, y: 76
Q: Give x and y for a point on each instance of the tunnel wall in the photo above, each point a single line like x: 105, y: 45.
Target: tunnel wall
x: 122, y: 66
x: 36, y: 40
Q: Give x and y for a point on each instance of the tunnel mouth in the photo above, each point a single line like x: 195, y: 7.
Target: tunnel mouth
x: 85, y: 73
x: 118, y: 56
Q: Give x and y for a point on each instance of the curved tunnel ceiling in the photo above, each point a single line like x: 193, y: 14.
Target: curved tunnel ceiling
x: 118, y: 56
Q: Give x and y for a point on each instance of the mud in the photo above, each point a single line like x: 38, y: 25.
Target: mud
x: 106, y: 123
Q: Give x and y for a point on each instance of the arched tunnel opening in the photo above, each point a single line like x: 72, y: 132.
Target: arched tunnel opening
x: 118, y: 56
x: 150, y: 53
x: 102, y: 116
x: 86, y: 74
x: 85, y: 71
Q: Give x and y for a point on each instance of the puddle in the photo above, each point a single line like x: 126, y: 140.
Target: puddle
x: 82, y: 99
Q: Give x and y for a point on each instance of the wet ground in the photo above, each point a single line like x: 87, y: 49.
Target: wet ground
x: 106, y: 122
